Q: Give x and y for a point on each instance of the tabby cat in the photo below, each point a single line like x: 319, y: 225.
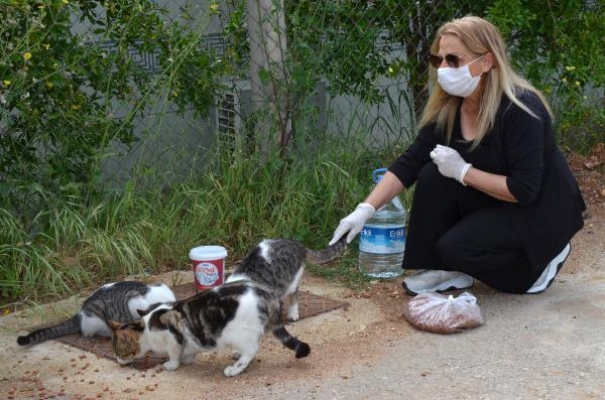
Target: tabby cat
x: 235, y: 314
x: 118, y: 301
x: 279, y: 264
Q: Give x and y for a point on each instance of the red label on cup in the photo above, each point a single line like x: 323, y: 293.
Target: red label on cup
x: 208, y: 266
x: 209, y: 273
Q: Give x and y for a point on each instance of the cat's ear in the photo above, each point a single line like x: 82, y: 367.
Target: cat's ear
x: 113, y: 325
x: 141, y: 312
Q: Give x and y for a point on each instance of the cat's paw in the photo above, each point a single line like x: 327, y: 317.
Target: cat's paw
x: 171, y: 365
x: 239, y: 366
x: 123, y: 361
x: 233, y: 370
x: 293, y: 315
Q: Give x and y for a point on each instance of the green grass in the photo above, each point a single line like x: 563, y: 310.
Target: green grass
x: 235, y: 203
x: 343, y: 271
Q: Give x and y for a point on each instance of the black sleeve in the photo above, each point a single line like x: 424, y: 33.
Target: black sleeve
x: 408, y: 165
x: 524, y: 148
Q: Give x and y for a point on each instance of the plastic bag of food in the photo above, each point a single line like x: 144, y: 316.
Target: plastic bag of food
x: 438, y: 313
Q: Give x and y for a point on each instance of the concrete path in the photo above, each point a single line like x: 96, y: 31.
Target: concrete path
x: 547, y: 346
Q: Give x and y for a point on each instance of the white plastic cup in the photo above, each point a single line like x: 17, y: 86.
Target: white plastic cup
x: 208, y: 266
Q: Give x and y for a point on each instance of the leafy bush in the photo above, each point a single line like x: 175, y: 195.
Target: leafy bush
x: 559, y: 48
x: 65, y: 97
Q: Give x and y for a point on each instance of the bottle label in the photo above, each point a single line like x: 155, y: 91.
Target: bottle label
x: 382, y: 240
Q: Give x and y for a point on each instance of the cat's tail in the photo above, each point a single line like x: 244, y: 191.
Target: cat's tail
x: 327, y: 254
x: 71, y: 326
x: 301, y: 348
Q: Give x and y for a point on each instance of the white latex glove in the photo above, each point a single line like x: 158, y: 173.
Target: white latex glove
x: 353, y: 223
x: 450, y: 163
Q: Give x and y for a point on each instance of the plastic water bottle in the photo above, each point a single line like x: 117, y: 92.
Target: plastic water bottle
x: 382, y: 239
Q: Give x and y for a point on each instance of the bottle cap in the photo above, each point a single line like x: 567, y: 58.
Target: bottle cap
x: 377, y: 174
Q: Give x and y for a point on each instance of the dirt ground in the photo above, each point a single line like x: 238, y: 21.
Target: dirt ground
x: 547, y: 346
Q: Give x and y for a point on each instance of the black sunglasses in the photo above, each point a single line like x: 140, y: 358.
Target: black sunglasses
x: 452, y: 61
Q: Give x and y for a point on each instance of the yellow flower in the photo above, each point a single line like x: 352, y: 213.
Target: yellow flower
x: 577, y: 83
x: 46, y: 46
x: 76, y: 106
x: 6, y: 82
x: 570, y: 68
x: 49, y: 85
x: 27, y: 55
x: 214, y: 7
x: 65, y: 1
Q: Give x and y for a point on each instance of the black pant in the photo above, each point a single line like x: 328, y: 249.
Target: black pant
x: 458, y: 228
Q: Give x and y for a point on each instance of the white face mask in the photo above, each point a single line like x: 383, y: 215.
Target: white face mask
x: 458, y: 81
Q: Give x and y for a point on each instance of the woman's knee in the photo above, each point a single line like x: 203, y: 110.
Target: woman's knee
x: 451, y: 251
x: 429, y: 174
x: 431, y: 183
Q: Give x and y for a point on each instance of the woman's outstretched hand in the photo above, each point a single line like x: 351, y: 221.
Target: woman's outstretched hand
x: 353, y: 223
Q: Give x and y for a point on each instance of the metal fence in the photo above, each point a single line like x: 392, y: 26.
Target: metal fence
x: 309, y: 69
x: 292, y: 72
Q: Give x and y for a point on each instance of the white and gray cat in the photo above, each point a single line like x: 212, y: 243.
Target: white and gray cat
x: 117, y: 301
x: 279, y: 264
x: 236, y: 314
x: 233, y: 315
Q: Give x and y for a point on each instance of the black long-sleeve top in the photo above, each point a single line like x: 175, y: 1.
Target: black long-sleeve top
x: 522, y: 147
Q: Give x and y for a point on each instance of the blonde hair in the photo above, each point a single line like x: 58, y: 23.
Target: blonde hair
x: 480, y: 37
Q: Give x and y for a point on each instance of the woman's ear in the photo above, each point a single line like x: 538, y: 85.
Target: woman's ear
x: 489, y: 62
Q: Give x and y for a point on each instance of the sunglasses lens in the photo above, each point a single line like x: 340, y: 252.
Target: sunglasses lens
x: 452, y: 61
x: 435, y: 60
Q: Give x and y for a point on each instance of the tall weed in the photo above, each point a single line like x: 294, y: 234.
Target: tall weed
x: 235, y: 203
